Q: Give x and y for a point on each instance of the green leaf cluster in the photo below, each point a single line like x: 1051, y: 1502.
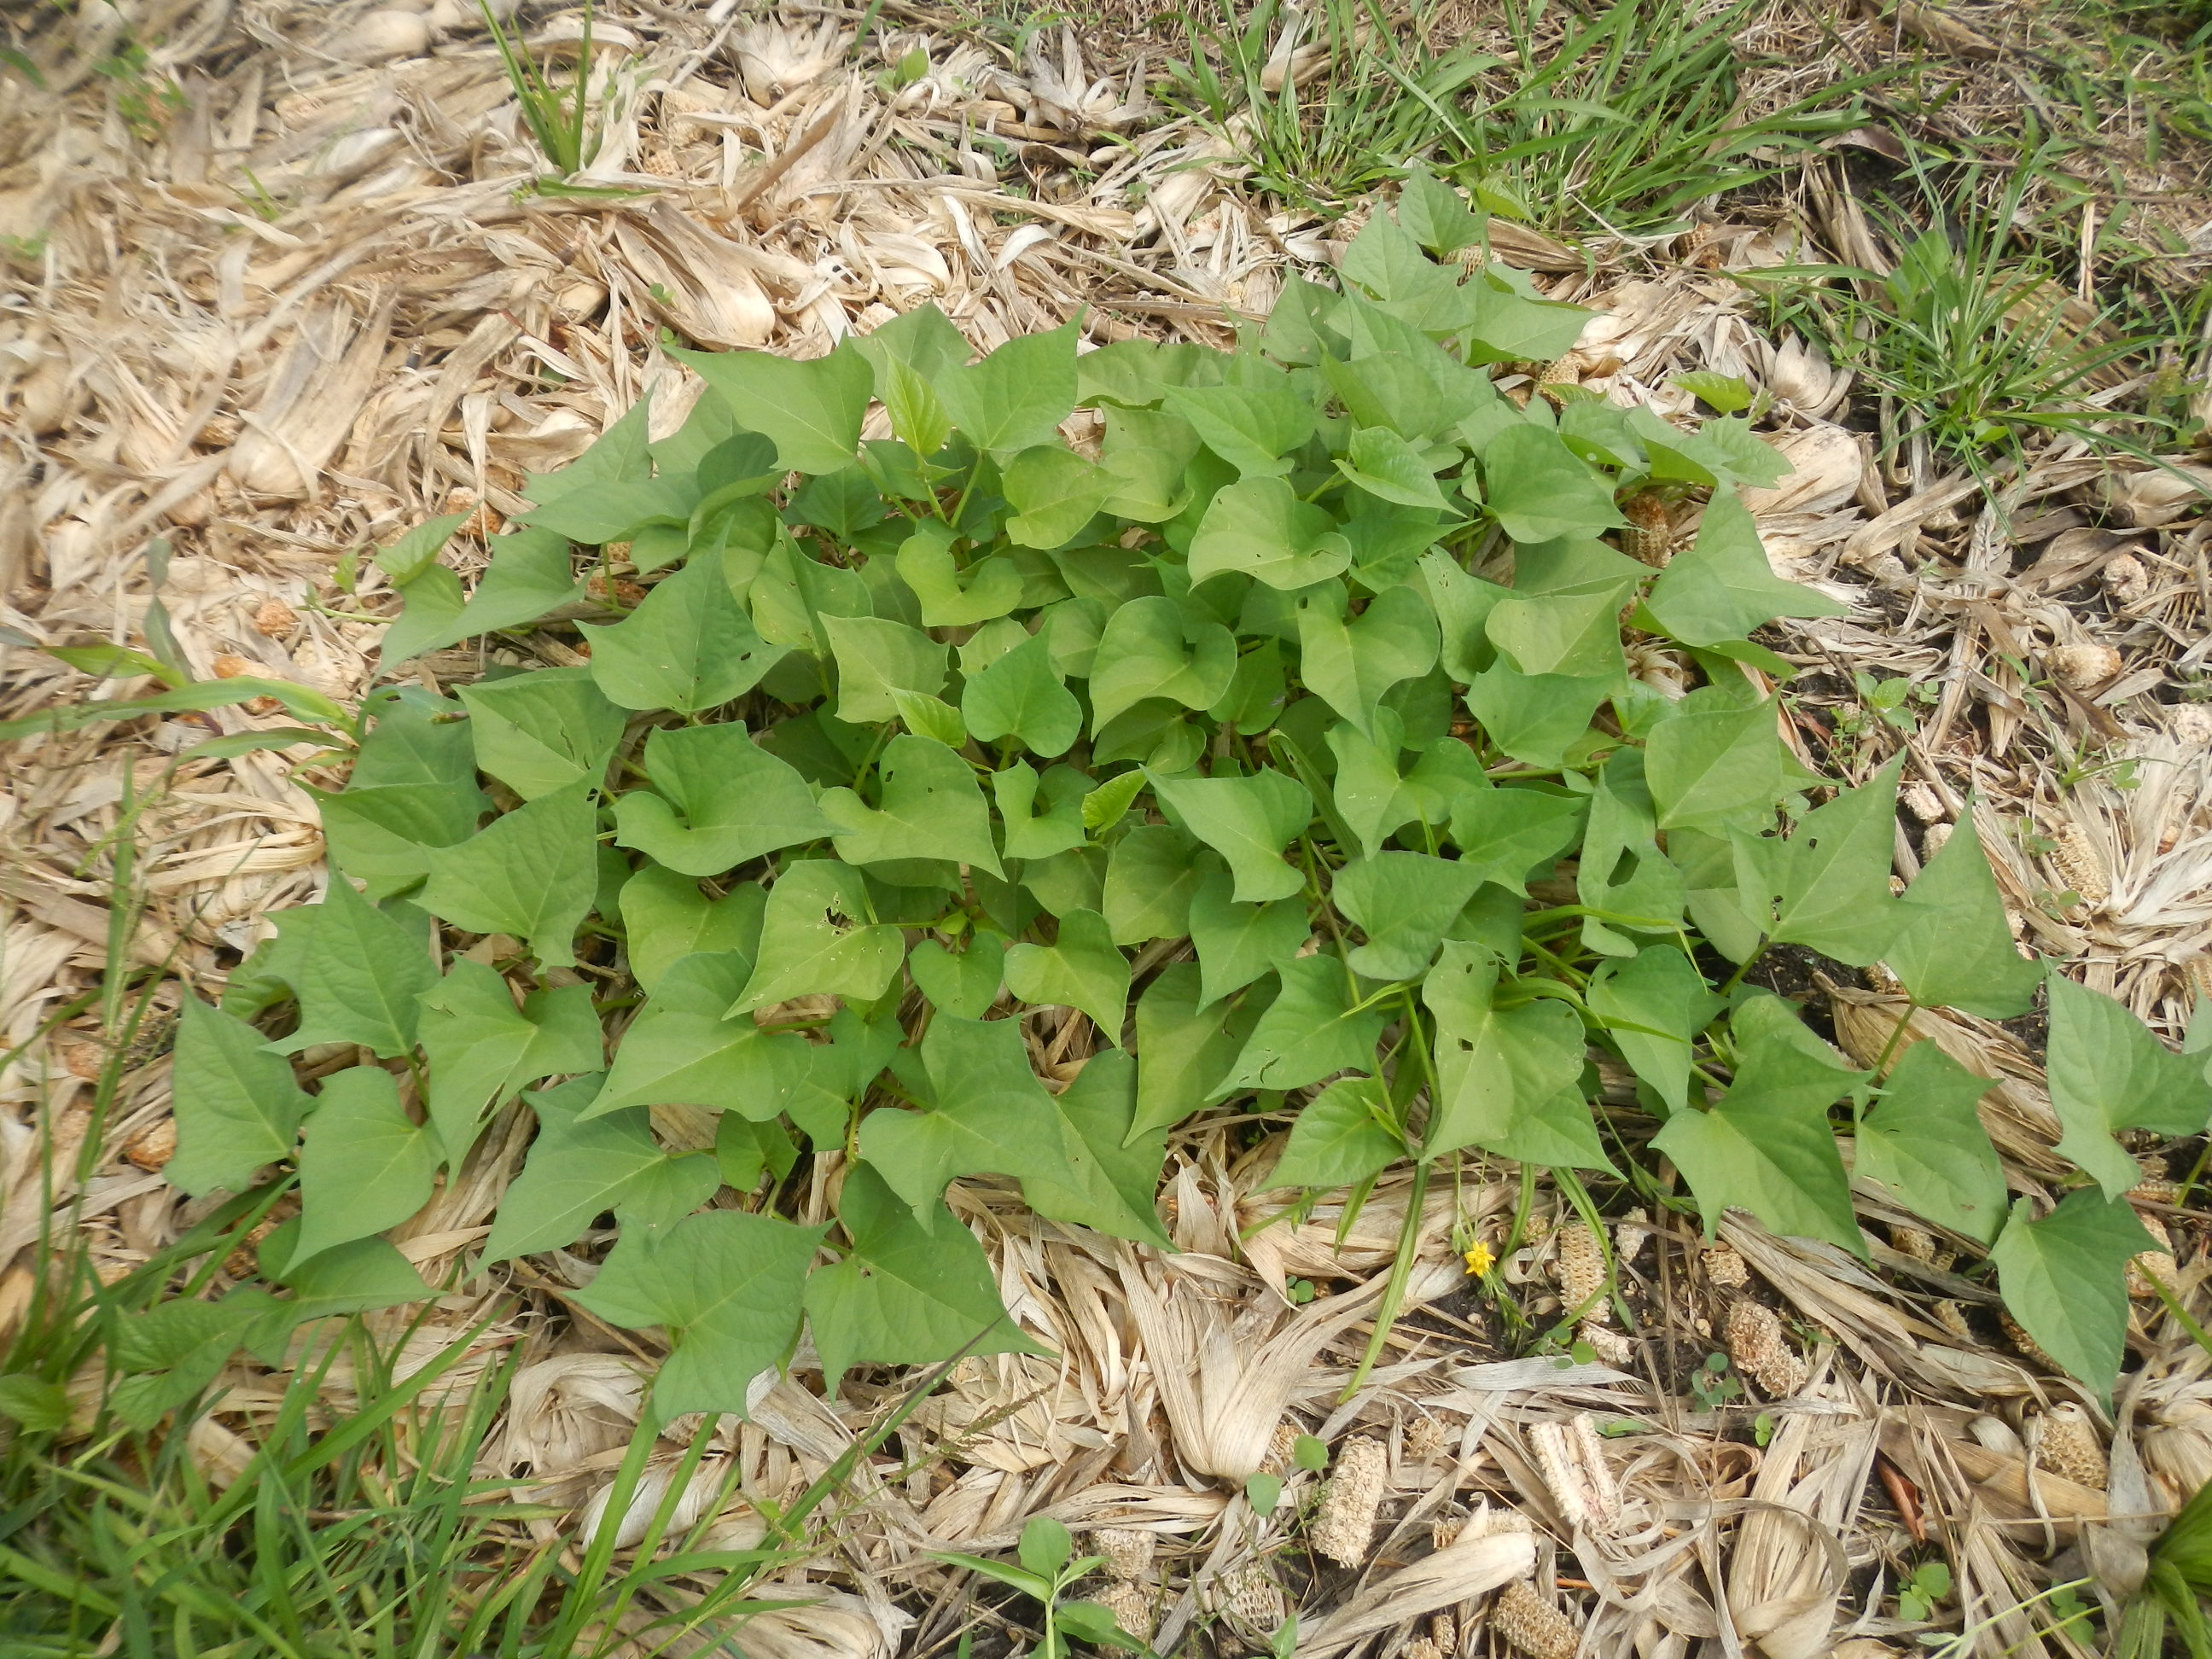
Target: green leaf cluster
x: 1284, y: 739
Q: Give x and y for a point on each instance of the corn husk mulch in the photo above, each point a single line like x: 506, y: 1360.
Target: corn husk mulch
x: 286, y: 292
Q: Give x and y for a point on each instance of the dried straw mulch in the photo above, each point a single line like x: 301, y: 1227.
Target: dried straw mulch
x: 278, y: 297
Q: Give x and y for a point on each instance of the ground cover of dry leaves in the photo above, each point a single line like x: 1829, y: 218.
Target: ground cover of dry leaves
x: 276, y: 318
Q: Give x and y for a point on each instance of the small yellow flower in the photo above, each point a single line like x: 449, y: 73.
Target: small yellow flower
x: 1479, y: 1259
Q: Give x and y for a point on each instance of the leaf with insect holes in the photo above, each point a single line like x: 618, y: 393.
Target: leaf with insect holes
x: 1955, y: 949
x: 1081, y: 970
x: 812, y: 410
x: 1259, y: 528
x: 1716, y: 764
x: 2107, y: 1072
x: 689, y: 646
x: 1404, y: 903
x: 532, y: 873
x: 1054, y: 493
x: 933, y: 809
x: 1538, y: 489
x: 361, y: 970
x: 910, y: 1292
x: 1238, y: 943
x: 542, y: 731
x: 1021, y: 696
x: 1312, y: 1030
x: 1766, y: 1146
x: 685, y: 1050
x: 1352, y: 666
x: 1249, y: 821
x: 481, y: 1049
x: 726, y: 1286
x: 1925, y: 1141
x: 1720, y: 587
x: 1041, y: 817
x: 1148, y: 650
x: 1827, y: 886
x: 1254, y: 426
x: 964, y: 985
x: 580, y: 1168
x: 1501, y: 1072
x: 875, y: 656
x: 2063, y: 1280
x: 816, y: 939
x: 667, y: 918
x: 1015, y: 399
x: 1622, y: 873
x: 1343, y: 1135
x: 718, y: 800
x: 236, y: 1105
x: 1653, y: 1006
x: 364, y: 1164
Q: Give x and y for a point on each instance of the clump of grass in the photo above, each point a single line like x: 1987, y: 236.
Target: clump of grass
x: 560, y: 119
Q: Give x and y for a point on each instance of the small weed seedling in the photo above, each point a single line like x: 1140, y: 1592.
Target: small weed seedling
x: 1916, y: 1597
x: 1049, y: 1566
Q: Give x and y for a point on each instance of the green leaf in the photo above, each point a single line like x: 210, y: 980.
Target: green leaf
x: 811, y: 411
x: 1716, y: 764
x: 356, y: 1277
x: 1351, y: 666
x: 1368, y: 795
x: 364, y: 1165
x: 417, y: 548
x: 1015, y: 399
x: 1054, y: 493
x: 1436, y: 215
x: 727, y: 1285
x: 384, y: 837
x: 924, y: 339
x: 1031, y: 834
x: 668, y: 917
x: 236, y: 1105
x: 909, y: 1292
x: 684, y: 1049
x: 1725, y: 394
x: 1622, y: 871
x: 1021, y: 696
x: 1185, y: 1045
x: 1722, y: 587
x: 1249, y: 821
x: 1506, y: 834
x: 1238, y: 943
x: 1082, y: 969
x: 362, y: 972
x: 966, y: 985
x: 2107, y: 1072
x: 1106, y: 805
x: 1540, y: 490
x: 932, y: 718
x: 1387, y: 466
x: 1310, y: 1032
x: 1925, y: 1140
x: 581, y: 1167
x: 719, y: 800
x: 1508, y: 1079
x: 1343, y: 1135
x: 530, y: 574
x: 1260, y: 528
x: 816, y: 938
x: 542, y: 731
x: 1151, y: 875
x: 34, y: 1404
x: 1404, y: 903
x: 1767, y: 1146
x: 1505, y: 325
x: 1535, y: 718
x: 1252, y: 426
x: 1653, y: 1006
x: 1955, y: 950
x: 933, y: 809
x: 875, y: 656
x: 990, y: 1114
x: 2063, y: 1280
x: 1148, y: 650
x: 1109, y: 1167
x: 174, y: 1349
x: 1829, y: 882
x: 483, y: 1049
x: 532, y: 873
x: 952, y: 597
x: 690, y: 646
